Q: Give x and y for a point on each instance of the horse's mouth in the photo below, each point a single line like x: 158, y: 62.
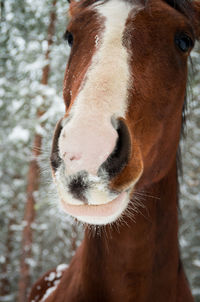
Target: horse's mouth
x: 98, y: 214
x: 89, y: 199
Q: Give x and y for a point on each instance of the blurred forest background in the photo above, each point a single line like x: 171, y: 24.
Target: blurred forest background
x: 35, y: 236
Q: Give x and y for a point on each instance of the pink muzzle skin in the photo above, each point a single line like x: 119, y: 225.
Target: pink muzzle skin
x: 103, y: 210
x: 86, y: 146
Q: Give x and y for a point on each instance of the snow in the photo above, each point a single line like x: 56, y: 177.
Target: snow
x: 20, y: 43
x: 7, y: 298
x: 19, y: 134
x: 50, y: 277
x: 9, y: 16
x: 44, y: 45
x: 2, y: 92
x: 50, y: 290
x: 196, y: 292
x: 197, y: 262
x: 16, y: 104
x: 34, y: 46
x: 40, y: 130
x: 57, y: 107
x: 2, y: 259
x: 36, y: 65
x: 31, y: 262
x: 54, y: 275
x: 61, y: 267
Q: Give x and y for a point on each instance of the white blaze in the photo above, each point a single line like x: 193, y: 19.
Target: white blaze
x: 106, y: 83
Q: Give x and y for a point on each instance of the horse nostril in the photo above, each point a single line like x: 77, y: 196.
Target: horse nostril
x: 68, y: 157
x: 55, y: 158
x: 120, y: 155
x: 75, y: 157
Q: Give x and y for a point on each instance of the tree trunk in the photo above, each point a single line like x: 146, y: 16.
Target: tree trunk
x: 33, y: 182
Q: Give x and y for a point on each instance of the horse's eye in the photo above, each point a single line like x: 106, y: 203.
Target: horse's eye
x: 69, y: 38
x: 184, y: 42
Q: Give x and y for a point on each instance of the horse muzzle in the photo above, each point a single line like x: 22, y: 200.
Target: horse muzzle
x: 84, y: 163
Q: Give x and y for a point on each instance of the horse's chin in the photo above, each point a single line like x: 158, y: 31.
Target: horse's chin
x: 100, y: 214
x: 89, y: 198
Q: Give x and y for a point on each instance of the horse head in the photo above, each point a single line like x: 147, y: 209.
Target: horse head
x: 124, y: 91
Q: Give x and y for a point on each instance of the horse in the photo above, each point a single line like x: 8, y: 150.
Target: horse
x: 114, y: 155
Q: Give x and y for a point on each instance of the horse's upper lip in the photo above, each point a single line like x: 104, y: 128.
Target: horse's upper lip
x: 103, y: 210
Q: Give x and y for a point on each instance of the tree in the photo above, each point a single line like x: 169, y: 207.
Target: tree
x: 33, y: 179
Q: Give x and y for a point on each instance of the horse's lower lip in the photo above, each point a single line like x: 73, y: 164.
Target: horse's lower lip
x: 103, y: 210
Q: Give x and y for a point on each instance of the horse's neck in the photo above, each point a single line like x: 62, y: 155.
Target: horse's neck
x: 144, y: 252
